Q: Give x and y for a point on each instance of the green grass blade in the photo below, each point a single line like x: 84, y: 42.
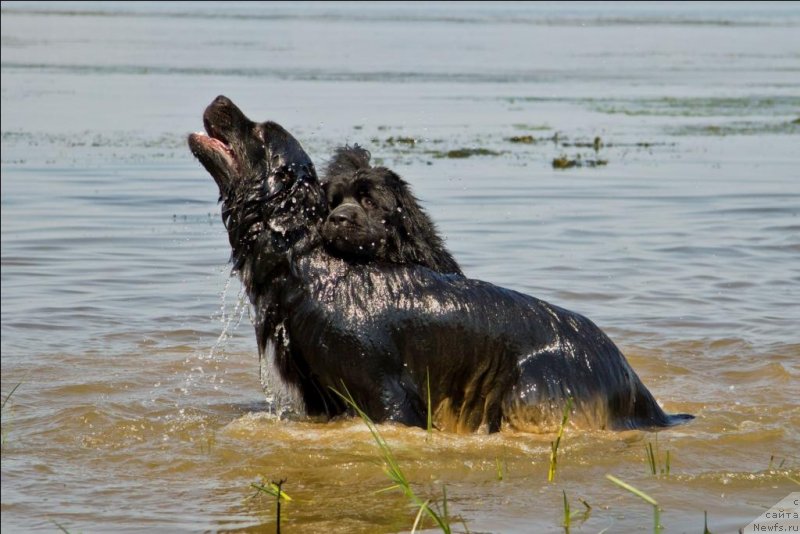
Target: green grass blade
x: 584, y: 516
x: 551, y: 472
x: 56, y: 523
x: 3, y: 407
x: 279, y: 493
x: 391, y: 467
x: 651, y: 460
x: 645, y: 497
x: 430, y: 412
x: 444, y: 508
x: 639, y: 493
x: 271, y: 489
x: 419, y: 516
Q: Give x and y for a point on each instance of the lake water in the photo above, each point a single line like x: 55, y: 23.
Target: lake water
x: 139, y: 405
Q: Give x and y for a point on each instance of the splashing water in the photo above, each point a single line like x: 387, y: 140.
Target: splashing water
x: 231, y: 322
x: 208, y: 365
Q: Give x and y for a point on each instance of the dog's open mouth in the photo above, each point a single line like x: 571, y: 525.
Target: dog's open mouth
x: 214, y: 153
x: 208, y: 143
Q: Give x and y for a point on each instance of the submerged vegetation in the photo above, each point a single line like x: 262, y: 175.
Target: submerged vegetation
x: 565, y: 162
x: 697, y: 106
x: 524, y: 139
x: 759, y: 116
x: 466, y: 153
x: 731, y: 128
x: 520, y: 146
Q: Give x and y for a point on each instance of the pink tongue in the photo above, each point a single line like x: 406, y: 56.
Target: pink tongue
x: 218, y: 144
x: 212, y: 143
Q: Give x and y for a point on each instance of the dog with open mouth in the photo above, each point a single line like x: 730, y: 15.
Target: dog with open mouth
x: 390, y: 332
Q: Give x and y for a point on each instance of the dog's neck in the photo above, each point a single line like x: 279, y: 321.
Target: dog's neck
x: 267, y: 224
x: 269, y: 227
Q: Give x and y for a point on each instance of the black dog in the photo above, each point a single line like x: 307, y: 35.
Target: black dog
x: 385, y: 331
x: 374, y: 216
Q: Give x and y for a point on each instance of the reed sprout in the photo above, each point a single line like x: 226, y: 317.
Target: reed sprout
x: 274, y: 489
x: 705, y: 522
x: 772, y: 466
x: 430, y: 411
x: 654, y: 459
x: 551, y: 473
x: 570, y: 515
x: 501, y: 469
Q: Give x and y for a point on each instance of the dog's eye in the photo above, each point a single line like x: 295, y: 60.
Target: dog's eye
x: 367, y: 202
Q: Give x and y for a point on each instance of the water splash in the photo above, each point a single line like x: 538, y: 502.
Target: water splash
x: 207, y: 366
x: 231, y: 322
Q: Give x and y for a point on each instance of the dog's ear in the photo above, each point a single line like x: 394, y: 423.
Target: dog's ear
x: 347, y: 160
x: 418, y: 240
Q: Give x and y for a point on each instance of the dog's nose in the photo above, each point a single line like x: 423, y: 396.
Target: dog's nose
x: 341, y: 218
x: 344, y: 215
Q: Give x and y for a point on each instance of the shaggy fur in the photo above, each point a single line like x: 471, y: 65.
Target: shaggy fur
x: 389, y: 333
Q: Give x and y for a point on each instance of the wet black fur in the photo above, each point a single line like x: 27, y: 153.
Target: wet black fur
x: 375, y: 217
x: 381, y: 330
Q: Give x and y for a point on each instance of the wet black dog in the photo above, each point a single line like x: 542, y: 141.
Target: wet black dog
x: 375, y: 217
x: 388, y: 331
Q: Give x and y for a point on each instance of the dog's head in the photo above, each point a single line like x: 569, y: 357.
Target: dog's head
x: 236, y: 149
x: 374, y: 216
x: 267, y: 183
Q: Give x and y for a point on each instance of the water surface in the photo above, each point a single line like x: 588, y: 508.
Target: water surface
x: 139, y: 405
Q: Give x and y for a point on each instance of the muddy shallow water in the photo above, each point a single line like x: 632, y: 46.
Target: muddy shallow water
x: 139, y: 405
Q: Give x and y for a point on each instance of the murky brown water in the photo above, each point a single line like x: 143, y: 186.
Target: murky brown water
x: 139, y: 405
